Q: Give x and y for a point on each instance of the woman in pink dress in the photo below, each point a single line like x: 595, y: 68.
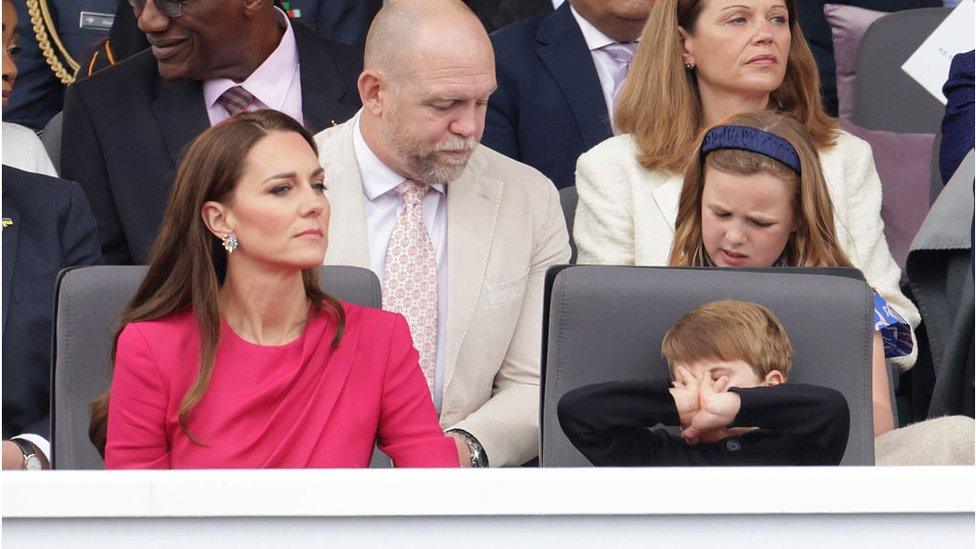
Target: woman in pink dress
x: 230, y: 355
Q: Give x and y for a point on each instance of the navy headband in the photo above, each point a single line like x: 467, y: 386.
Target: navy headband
x: 747, y: 138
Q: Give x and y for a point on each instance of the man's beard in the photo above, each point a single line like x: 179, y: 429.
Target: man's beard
x: 428, y: 163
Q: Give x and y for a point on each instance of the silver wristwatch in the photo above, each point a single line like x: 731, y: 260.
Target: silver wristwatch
x: 31, y: 461
x: 478, y: 456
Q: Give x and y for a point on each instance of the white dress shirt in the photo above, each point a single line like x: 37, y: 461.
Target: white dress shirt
x: 382, y: 205
x: 605, y: 66
x: 275, y: 83
x: 22, y: 149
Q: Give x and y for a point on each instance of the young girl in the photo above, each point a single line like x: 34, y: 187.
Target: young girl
x: 754, y: 196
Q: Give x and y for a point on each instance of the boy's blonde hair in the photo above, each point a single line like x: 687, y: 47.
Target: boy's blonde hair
x: 730, y: 330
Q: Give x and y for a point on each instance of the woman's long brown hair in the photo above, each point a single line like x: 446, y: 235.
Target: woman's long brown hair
x: 813, y: 244
x: 188, y: 264
x: 659, y: 104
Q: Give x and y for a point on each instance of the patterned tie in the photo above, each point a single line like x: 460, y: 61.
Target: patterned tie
x: 621, y: 55
x: 236, y: 99
x: 410, y: 277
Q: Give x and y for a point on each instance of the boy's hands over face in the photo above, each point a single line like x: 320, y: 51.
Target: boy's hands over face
x: 685, y: 395
x: 717, y: 408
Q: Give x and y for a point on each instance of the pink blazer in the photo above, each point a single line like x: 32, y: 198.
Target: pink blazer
x: 302, y: 404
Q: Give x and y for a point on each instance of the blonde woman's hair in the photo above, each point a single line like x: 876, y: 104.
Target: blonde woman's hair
x: 659, y: 104
x: 814, y: 242
x: 730, y: 330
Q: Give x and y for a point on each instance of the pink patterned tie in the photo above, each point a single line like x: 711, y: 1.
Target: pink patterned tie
x: 236, y: 99
x: 410, y: 277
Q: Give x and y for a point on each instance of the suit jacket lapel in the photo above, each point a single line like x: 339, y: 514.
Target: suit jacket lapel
x: 347, y: 224
x: 666, y: 197
x: 180, y: 114
x: 322, y: 85
x: 10, y: 237
x: 564, y: 52
x: 472, y: 210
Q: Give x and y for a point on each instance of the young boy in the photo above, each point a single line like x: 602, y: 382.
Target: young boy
x: 729, y: 362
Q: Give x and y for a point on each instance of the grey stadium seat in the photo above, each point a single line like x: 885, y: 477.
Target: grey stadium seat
x: 568, y: 200
x: 886, y: 97
x: 51, y: 138
x: 88, y: 304
x: 606, y: 323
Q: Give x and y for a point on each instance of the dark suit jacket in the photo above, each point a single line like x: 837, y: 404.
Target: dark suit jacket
x: 957, y: 125
x: 549, y: 107
x: 495, y: 14
x: 126, y: 128
x: 52, y: 228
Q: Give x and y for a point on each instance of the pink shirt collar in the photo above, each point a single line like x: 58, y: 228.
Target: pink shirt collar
x: 270, y: 83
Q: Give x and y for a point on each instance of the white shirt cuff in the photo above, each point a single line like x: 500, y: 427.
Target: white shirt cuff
x: 37, y: 440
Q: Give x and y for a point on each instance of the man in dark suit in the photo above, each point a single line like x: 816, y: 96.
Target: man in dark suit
x: 496, y: 14
x: 957, y: 124
x: 126, y: 127
x: 44, y: 65
x: 557, y: 77
x: 47, y: 226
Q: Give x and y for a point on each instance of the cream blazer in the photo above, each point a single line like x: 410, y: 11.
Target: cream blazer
x: 505, y: 227
x: 626, y: 214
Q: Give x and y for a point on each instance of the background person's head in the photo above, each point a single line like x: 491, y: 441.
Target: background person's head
x: 428, y: 72
x: 205, y: 39
x: 256, y: 174
x: 621, y: 20
x: 10, y: 49
x: 739, y: 49
x: 744, y: 208
x: 738, y: 339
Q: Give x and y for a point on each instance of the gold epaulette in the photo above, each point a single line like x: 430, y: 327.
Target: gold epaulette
x: 46, y: 32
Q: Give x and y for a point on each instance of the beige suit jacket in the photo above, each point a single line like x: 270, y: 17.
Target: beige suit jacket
x: 505, y: 227
x: 626, y: 213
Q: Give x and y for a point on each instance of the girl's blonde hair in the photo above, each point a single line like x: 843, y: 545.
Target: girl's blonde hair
x: 659, y: 104
x: 813, y: 243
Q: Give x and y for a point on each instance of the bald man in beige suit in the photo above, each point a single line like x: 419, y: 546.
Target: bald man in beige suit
x: 494, y: 225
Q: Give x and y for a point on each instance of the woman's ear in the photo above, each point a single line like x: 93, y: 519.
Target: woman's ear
x: 774, y: 378
x: 217, y: 218
x: 685, y: 52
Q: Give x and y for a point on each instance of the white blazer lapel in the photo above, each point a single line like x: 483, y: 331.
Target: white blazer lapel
x: 472, y: 210
x: 347, y: 223
x: 666, y: 197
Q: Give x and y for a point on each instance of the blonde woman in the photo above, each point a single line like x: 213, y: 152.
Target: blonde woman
x: 700, y: 62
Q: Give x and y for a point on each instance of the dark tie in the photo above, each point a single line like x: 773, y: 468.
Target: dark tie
x: 236, y: 99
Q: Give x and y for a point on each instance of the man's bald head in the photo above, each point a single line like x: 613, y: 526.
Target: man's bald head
x: 405, y: 33
x: 429, y: 71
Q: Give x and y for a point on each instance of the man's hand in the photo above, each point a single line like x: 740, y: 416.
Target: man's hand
x: 13, y: 458
x: 464, y: 453
x: 685, y: 395
x: 717, y: 408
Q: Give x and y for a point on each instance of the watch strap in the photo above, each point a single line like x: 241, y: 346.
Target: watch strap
x: 478, y: 456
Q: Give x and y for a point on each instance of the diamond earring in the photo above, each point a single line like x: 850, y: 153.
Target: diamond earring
x: 229, y: 241
x: 689, y: 64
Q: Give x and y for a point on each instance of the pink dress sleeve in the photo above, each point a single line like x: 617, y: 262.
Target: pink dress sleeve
x: 137, y: 407
x: 409, y: 431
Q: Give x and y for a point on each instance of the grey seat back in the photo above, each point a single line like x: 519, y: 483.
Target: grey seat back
x: 51, y: 137
x: 886, y: 97
x: 606, y: 323
x: 89, y: 302
x: 568, y: 200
